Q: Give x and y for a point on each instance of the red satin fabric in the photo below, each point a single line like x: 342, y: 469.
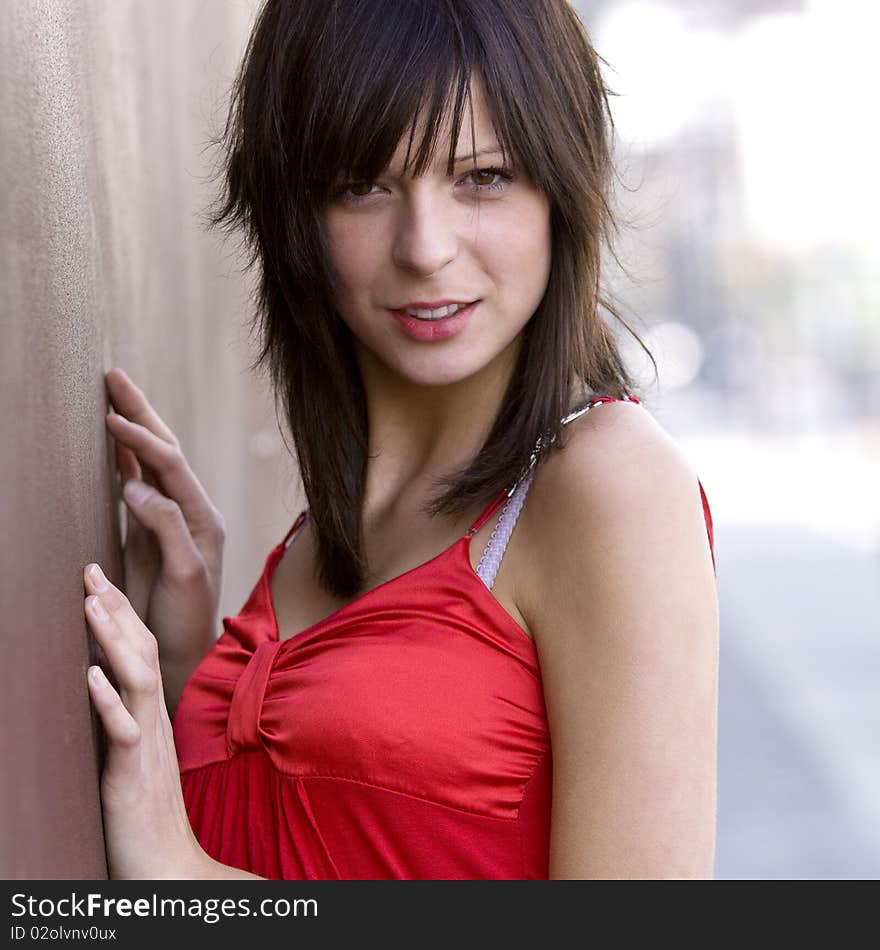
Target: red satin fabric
x: 404, y: 736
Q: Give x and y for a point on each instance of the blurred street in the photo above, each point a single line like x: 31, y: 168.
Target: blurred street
x: 799, y: 707
x: 799, y: 761
x: 752, y: 274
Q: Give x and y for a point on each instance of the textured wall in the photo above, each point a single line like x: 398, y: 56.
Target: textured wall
x: 105, y: 108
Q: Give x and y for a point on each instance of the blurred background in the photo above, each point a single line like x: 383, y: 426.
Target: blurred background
x: 748, y: 161
x: 748, y: 194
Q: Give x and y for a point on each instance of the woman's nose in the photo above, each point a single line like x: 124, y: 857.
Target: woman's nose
x: 425, y: 239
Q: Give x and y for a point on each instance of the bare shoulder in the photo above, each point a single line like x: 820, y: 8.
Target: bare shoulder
x: 618, y: 475
x: 621, y: 600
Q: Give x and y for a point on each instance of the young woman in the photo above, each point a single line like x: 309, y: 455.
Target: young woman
x: 414, y: 689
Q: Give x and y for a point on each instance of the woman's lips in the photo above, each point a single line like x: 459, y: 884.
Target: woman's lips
x: 428, y: 330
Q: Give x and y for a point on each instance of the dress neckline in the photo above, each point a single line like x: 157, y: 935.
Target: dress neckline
x: 458, y: 550
x: 461, y: 547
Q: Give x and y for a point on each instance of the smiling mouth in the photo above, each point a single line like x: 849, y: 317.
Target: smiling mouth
x: 428, y: 329
x: 441, y: 313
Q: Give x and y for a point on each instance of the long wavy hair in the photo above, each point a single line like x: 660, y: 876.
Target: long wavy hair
x: 329, y: 88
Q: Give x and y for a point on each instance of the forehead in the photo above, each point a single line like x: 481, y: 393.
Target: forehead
x: 433, y: 132
x: 476, y: 131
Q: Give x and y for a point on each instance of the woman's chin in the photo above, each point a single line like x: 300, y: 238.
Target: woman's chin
x: 435, y: 378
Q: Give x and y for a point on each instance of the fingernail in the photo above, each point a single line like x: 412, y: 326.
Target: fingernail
x: 96, y: 576
x: 96, y: 607
x: 135, y: 491
x: 96, y: 674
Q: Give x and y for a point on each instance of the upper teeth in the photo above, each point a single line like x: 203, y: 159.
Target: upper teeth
x: 437, y: 314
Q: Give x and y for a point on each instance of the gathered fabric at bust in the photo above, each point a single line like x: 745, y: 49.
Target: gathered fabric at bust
x: 403, y: 736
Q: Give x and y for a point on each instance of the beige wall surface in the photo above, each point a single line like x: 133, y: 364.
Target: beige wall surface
x: 105, y: 110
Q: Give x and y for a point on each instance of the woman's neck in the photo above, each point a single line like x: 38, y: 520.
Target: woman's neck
x: 417, y: 433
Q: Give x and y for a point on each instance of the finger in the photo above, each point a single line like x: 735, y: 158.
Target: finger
x: 129, y: 400
x: 121, y: 727
x: 142, y: 563
x: 163, y: 516
x: 172, y: 471
x: 126, y: 462
x: 138, y: 680
x: 129, y: 646
x: 119, y: 609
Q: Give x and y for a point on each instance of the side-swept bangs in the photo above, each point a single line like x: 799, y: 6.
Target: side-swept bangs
x: 374, y: 68
x: 327, y: 90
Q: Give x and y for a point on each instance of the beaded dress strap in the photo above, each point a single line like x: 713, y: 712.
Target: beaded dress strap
x: 494, y: 551
x: 296, y: 528
x: 505, y: 497
x: 490, y: 561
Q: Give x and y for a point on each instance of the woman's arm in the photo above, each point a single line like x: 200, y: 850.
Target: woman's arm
x: 211, y: 870
x: 147, y: 833
x: 623, y: 605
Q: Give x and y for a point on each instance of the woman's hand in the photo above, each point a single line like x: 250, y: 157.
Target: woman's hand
x: 146, y: 828
x: 173, y: 551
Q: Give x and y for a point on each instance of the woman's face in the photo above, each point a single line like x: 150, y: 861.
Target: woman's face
x: 475, y: 236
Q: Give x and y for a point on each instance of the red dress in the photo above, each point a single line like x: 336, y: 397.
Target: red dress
x: 403, y: 736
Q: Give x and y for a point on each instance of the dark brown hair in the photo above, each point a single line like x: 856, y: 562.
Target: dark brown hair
x: 329, y: 87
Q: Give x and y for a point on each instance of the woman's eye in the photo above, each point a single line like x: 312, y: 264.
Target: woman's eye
x: 483, y: 180
x: 479, y: 177
x: 486, y: 172
x: 351, y: 190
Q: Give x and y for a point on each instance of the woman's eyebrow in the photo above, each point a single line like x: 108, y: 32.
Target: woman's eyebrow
x: 493, y: 149
x: 489, y: 150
